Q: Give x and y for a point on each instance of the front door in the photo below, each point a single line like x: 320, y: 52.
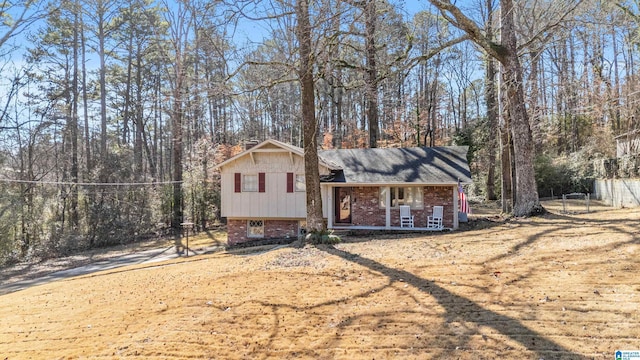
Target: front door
x: 343, y: 205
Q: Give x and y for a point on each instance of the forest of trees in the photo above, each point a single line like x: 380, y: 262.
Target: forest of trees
x: 114, y: 112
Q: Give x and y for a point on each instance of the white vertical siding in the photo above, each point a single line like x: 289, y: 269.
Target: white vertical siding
x: 275, y: 202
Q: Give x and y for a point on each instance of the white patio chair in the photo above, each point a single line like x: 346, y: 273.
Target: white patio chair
x: 406, y: 219
x: 434, y: 221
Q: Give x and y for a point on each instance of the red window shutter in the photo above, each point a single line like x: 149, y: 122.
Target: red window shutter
x: 238, y: 182
x: 260, y: 182
x: 289, y: 182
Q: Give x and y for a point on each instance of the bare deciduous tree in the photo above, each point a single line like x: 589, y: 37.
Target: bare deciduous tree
x: 506, y: 52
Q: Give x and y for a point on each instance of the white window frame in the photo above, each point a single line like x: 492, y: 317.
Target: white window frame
x: 246, y: 183
x: 402, y: 195
x: 255, y: 228
x: 300, y: 183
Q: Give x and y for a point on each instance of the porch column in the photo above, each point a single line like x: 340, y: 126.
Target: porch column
x: 330, y: 207
x: 455, y: 208
x: 387, y: 208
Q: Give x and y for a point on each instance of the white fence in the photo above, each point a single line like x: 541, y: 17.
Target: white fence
x: 618, y: 192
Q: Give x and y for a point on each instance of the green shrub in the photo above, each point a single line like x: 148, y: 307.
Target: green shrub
x: 326, y: 237
x: 562, y: 175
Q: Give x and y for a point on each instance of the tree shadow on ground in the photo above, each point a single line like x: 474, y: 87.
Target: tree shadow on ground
x: 460, y: 309
x: 358, y: 236
x: 555, y: 223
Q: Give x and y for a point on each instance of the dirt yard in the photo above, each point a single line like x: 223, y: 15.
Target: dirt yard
x: 552, y: 287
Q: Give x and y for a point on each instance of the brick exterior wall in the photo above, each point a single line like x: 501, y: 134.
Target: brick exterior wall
x: 278, y: 229
x: 366, y: 211
x: 273, y: 229
x: 434, y: 196
x: 365, y: 207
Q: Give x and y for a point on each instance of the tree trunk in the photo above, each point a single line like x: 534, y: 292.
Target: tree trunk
x: 337, y: 138
x: 315, y: 221
x: 506, y: 181
x: 85, y: 99
x: 526, y: 198
x: 616, y: 82
x: 126, y: 112
x: 372, y: 73
x: 157, y: 130
x: 103, y: 82
x: 572, y: 101
x: 74, y: 122
x: 176, y: 128
x: 492, y: 110
x: 138, y: 117
x: 534, y: 91
x: 177, y: 140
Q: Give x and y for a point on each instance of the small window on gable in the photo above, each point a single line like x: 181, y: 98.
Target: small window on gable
x: 301, y: 185
x: 255, y: 228
x: 249, y: 183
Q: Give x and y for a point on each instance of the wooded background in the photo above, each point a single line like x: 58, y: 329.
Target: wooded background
x: 115, y: 111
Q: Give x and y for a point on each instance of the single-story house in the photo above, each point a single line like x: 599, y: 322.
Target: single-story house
x: 263, y: 188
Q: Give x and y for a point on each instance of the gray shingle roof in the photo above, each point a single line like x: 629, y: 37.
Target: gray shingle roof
x: 422, y: 165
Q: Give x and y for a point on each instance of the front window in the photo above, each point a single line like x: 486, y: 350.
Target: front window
x: 397, y: 197
x: 249, y: 183
x: 409, y: 195
x: 255, y: 228
x: 301, y: 185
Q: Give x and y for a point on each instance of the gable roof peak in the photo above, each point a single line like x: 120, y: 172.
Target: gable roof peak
x: 271, y: 145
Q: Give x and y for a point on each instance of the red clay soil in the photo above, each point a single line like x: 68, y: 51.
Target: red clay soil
x: 552, y: 287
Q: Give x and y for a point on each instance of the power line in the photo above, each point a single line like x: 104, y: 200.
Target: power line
x: 38, y: 182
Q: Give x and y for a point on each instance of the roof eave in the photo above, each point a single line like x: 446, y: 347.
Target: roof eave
x: 256, y: 149
x: 351, y: 184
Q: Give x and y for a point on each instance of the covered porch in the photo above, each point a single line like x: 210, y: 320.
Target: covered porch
x: 390, y: 228
x: 364, y: 207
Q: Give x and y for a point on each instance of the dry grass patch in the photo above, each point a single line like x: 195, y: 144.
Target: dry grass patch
x: 551, y: 287
x: 36, y: 268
